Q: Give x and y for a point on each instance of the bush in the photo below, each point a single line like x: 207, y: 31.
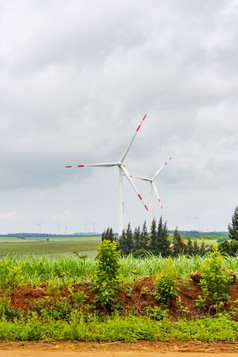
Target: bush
x: 215, y: 281
x: 106, y: 280
x: 166, y: 282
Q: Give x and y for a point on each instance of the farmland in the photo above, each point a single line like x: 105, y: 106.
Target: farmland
x: 52, y: 247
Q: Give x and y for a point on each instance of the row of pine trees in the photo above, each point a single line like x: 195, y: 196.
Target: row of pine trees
x: 141, y: 243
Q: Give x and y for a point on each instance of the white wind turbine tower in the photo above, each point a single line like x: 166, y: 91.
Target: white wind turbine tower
x: 122, y: 170
x: 153, y: 189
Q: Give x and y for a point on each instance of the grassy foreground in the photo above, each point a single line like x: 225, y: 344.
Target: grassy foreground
x: 127, y: 329
x: 47, y: 312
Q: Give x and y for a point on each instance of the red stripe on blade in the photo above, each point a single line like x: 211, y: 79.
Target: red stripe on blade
x: 144, y: 116
x: 68, y: 167
x: 146, y: 208
x: 138, y: 128
x: 165, y: 163
x: 139, y: 196
x: 80, y: 165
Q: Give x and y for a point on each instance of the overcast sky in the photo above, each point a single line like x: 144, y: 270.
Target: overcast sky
x: 76, y: 79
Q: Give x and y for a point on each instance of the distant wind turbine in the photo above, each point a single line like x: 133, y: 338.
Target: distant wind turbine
x: 39, y: 225
x: 122, y: 170
x: 153, y: 189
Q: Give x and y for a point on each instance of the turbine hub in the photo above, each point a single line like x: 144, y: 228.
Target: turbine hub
x: 120, y: 164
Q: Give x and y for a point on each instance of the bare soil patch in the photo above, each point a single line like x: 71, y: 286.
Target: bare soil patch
x: 136, y: 297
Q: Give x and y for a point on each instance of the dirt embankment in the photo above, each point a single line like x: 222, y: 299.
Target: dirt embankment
x: 136, y: 297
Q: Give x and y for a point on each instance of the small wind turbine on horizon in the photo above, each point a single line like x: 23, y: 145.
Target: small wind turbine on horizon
x: 153, y: 189
x: 39, y: 225
x: 122, y: 170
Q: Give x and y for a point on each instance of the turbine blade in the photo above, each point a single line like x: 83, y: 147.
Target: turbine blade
x: 141, y: 178
x: 132, y: 184
x: 157, y: 172
x: 110, y: 164
x: 131, y: 141
x: 157, y: 195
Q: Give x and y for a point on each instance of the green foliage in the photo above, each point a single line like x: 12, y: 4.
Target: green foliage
x: 166, y: 283
x: 108, y: 235
x: 113, y: 328
x: 233, y: 227
x: 141, y: 253
x: 106, y: 280
x: 10, y: 275
x: 215, y: 280
x: 229, y: 247
x: 162, y: 243
x: 179, y: 247
x: 155, y: 243
x: 156, y: 312
x: 6, y: 309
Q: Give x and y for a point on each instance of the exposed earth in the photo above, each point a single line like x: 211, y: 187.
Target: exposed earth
x: 117, y: 349
x: 136, y: 297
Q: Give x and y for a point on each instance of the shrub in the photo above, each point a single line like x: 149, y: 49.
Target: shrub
x: 166, y: 282
x: 9, y: 275
x: 215, y: 280
x: 106, y: 280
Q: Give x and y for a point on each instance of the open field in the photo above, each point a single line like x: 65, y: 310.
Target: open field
x: 51, y: 248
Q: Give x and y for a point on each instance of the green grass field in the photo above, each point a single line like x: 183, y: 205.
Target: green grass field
x: 52, y: 248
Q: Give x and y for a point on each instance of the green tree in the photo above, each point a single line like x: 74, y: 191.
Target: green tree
x: 106, y: 280
x: 130, y: 242
x: 153, y: 237
x: 126, y: 242
x: 162, y: 242
x: 136, y: 239
x: 144, y: 237
x: 108, y: 235
x: 189, y: 247
x: 178, y: 245
x: 233, y: 227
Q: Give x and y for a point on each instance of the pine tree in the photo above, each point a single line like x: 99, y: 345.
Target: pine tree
x: 195, y: 248
x: 129, y: 237
x: 123, y: 243
x: 153, y: 237
x: 233, y: 227
x: 189, y: 247
x: 108, y: 234
x: 162, y: 243
x: 136, y: 239
x: 178, y: 245
x: 144, y: 238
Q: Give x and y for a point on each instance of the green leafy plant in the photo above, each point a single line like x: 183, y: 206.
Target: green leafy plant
x: 215, y: 281
x: 77, y: 298
x: 106, y: 280
x: 166, y: 283
x: 6, y: 309
x: 156, y: 313
x: 10, y: 275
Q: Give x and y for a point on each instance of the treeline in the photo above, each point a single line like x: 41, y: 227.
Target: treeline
x: 141, y: 243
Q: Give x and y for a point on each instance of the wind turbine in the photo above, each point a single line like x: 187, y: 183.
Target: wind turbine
x: 39, y: 225
x: 122, y: 170
x: 153, y: 189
